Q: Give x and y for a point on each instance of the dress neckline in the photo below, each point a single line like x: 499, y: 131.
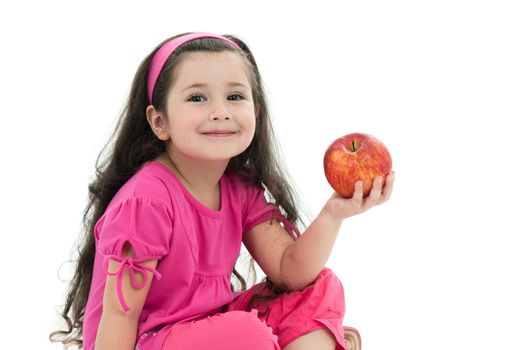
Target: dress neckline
x: 195, y: 203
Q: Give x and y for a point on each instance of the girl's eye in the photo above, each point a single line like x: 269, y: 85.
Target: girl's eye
x: 237, y: 97
x: 195, y: 98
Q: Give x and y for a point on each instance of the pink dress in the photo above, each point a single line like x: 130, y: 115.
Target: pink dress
x: 197, y: 248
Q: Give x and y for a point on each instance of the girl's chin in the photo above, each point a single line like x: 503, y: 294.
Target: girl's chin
x: 210, y: 154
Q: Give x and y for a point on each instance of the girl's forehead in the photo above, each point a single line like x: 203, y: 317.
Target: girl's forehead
x: 210, y: 66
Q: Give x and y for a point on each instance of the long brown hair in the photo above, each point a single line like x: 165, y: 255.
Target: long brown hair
x: 133, y: 143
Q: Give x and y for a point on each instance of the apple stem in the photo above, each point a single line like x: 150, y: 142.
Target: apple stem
x: 353, y: 146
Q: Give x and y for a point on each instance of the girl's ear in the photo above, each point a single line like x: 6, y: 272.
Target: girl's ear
x: 157, y: 122
x: 257, y: 111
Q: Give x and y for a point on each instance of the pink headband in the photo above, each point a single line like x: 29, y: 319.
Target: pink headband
x: 162, y: 54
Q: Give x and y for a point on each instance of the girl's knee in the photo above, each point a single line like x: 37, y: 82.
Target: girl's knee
x: 328, y: 291
x: 328, y: 279
x: 250, y: 330
x: 246, y: 321
x: 236, y: 330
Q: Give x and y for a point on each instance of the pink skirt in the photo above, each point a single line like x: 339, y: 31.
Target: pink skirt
x: 291, y: 315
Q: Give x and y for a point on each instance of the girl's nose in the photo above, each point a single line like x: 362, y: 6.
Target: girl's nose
x: 222, y: 114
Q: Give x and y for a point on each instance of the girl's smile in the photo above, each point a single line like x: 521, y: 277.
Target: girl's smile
x: 220, y: 133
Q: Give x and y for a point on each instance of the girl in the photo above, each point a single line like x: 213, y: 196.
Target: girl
x: 183, y: 186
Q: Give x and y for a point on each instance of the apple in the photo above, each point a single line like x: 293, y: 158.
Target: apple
x: 355, y: 157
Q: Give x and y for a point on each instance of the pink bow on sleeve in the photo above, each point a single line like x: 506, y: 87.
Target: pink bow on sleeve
x: 133, y: 266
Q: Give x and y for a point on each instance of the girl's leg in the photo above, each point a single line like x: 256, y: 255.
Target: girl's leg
x: 235, y: 330
x: 321, y: 339
x: 297, y: 315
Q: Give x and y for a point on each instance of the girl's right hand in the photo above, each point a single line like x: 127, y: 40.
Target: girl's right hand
x: 342, y: 208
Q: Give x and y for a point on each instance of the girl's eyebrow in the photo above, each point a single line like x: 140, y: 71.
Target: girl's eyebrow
x: 202, y: 85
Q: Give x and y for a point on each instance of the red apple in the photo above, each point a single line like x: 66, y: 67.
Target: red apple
x: 356, y: 157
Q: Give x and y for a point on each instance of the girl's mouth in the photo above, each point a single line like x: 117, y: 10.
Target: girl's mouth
x: 219, y: 133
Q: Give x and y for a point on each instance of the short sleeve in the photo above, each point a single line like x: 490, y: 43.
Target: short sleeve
x: 256, y: 208
x: 143, y: 222
x: 259, y: 210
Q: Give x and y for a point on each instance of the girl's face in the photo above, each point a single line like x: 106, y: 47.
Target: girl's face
x: 209, y: 107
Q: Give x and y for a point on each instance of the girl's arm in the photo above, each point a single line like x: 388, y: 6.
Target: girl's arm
x: 296, y: 264
x: 117, y: 329
x: 304, y: 259
x: 116, y: 332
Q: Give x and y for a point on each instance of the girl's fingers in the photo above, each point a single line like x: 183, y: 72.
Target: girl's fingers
x: 375, y: 193
x: 358, y: 192
x: 387, y: 189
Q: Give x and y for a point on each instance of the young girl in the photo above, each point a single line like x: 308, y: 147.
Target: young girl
x: 183, y: 186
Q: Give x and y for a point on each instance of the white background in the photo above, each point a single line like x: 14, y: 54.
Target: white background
x: 441, y: 83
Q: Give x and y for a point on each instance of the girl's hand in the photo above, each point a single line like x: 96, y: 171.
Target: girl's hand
x: 341, y: 208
